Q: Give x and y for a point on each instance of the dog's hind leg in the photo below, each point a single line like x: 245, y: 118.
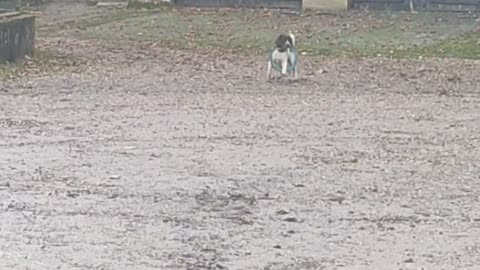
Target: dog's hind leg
x: 269, y: 70
x: 295, y: 71
x: 291, y: 61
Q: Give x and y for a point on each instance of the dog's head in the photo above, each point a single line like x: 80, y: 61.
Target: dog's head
x: 285, y: 41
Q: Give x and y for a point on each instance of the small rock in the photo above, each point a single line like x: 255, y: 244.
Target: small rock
x: 282, y: 212
x: 114, y: 177
x: 453, y: 78
x: 410, y: 260
x: 219, y: 266
x: 277, y: 246
x: 113, y: 196
x: 291, y: 219
x: 72, y: 194
x: 322, y: 71
x: 425, y: 214
x: 371, y: 189
x: 443, y: 92
x: 5, y: 184
x: 338, y: 199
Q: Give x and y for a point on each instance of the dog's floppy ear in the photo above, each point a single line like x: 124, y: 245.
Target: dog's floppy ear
x: 280, y: 41
x: 292, y: 37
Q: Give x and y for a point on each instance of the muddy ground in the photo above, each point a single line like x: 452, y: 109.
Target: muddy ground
x: 147, y: 158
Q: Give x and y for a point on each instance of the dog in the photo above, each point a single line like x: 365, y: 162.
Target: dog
x: 283, y: 53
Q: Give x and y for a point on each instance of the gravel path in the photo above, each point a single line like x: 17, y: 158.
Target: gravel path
x: 176, y: 160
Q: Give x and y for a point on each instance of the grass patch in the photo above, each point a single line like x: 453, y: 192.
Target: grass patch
x: 399, y: 35
x: 92, y: 3
x: 147, y: 5
x: 91, y: 20
x: 466, y: 47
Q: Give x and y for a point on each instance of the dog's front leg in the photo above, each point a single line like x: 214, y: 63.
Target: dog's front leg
x: 284, y: 65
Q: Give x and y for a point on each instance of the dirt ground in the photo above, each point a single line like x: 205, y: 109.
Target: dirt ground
x: 147, y: 158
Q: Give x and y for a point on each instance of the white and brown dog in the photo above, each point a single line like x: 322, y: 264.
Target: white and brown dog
x: 283, y: 54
